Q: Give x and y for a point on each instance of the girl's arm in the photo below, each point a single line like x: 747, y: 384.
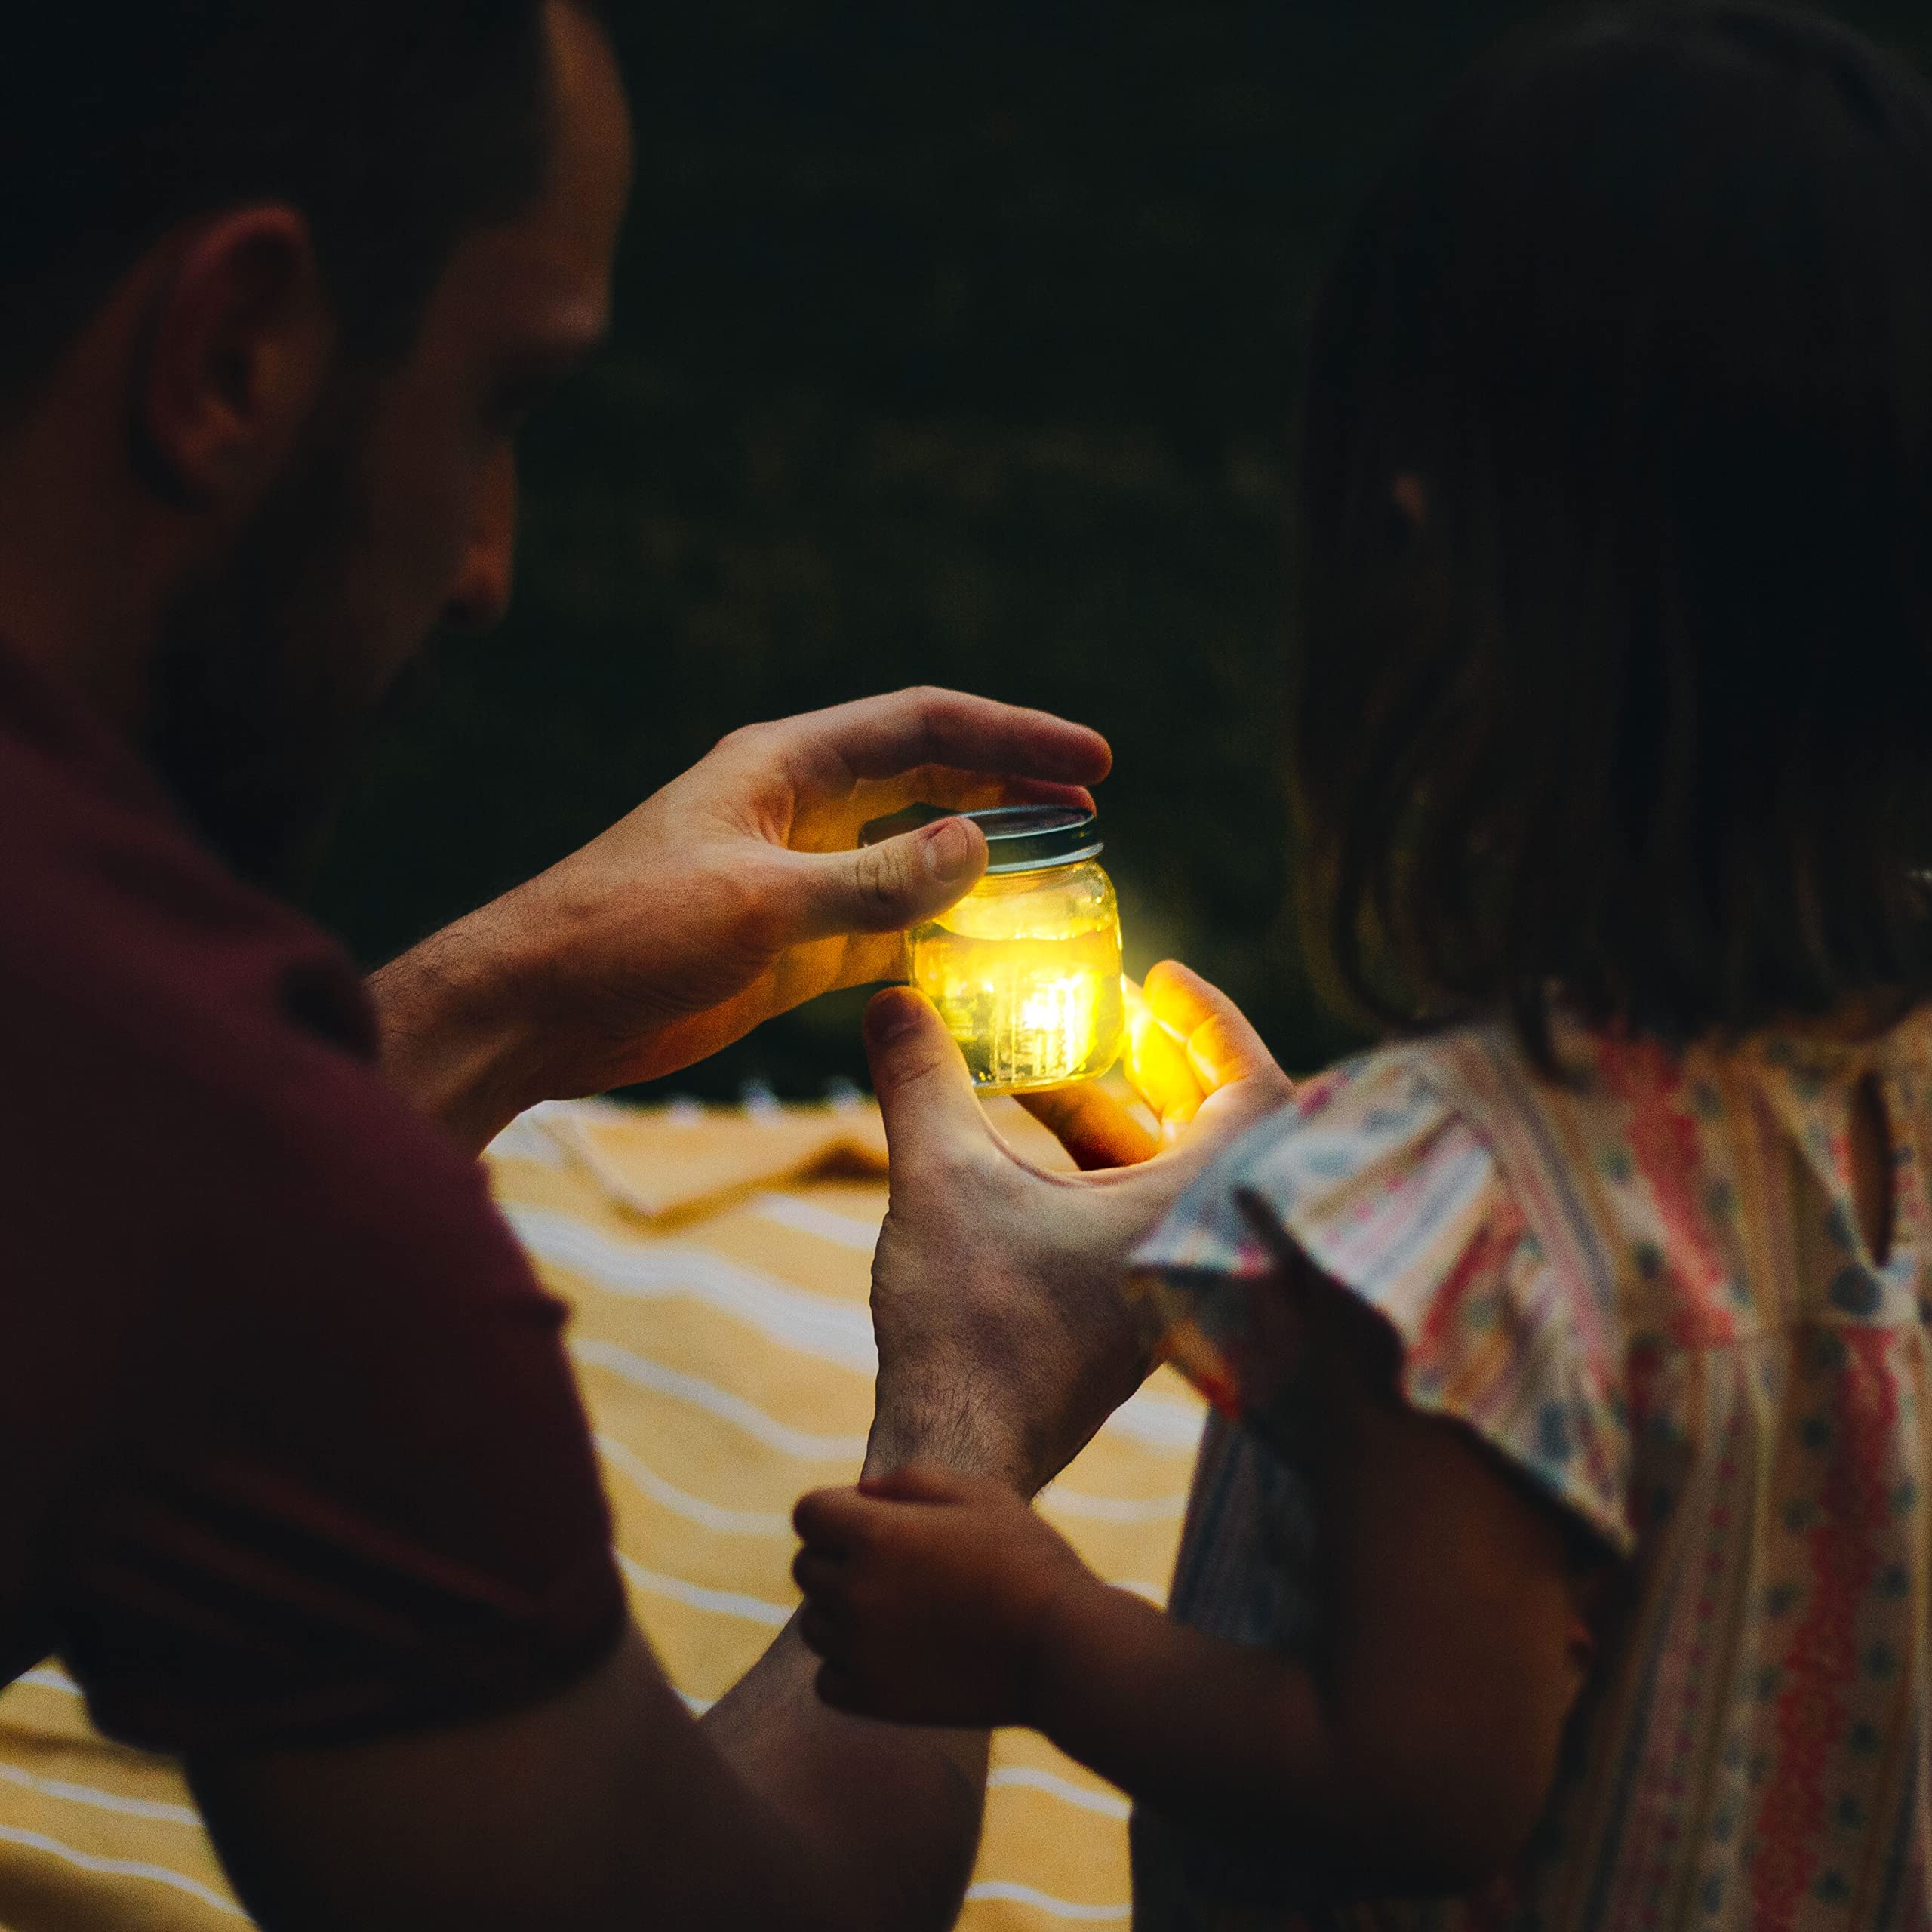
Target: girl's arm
x: 1414, y: 1753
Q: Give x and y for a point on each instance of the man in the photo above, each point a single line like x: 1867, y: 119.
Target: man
x: 296, y: 1481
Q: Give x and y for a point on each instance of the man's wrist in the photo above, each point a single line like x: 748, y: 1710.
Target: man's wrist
x: 950, y: 1427
x: 453, y: 1037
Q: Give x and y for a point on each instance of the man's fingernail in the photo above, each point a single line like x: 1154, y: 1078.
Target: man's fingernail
x: 890, y: 1016
x: 951, y: 850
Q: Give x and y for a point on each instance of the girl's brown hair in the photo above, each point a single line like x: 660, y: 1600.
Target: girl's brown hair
x: 1613, y: 674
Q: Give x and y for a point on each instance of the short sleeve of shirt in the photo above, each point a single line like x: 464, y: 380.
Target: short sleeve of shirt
x: 293, y: 1452
x: 1376, y: 1178
x: 349, y: 1490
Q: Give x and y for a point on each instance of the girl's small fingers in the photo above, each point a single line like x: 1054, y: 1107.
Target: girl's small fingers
x: 1091, y: 1125
x: 830, y: 1520
x: 1157, y: 1063
x: 1182, y: 998
x: 838, y: 1688
x: 919, y: 1482
x: 820, y: 1634
x: 820, y: 1577
x: 1221, y: 1045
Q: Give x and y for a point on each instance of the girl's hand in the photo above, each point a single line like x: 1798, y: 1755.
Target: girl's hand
x: 928, y: 1596
x: 1190, y: 1049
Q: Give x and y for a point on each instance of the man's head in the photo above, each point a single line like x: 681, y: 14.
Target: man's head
x: 284, y: 282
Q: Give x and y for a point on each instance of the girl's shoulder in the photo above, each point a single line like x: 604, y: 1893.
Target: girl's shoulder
x: 1634, y: 1168
x: 1375, y: 1167
x: 1385, y: 1174
x: 1534, y: 1242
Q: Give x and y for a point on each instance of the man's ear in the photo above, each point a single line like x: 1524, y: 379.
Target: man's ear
x: 238, y: 344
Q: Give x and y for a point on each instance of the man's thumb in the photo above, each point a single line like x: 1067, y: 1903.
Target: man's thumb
x: 925, y: 1091
x: 884, y: 888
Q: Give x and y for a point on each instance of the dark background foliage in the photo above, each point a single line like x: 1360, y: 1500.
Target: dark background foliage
x: 955, y: 344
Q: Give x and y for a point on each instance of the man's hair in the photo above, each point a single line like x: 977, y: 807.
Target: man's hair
x: 394, y: 126
x: 1636, y: 713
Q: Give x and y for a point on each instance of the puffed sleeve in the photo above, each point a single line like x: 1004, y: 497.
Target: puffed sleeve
x: 1373, y: 1176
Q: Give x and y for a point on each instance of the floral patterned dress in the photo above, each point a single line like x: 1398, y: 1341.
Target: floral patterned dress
x: 1647, y: 1288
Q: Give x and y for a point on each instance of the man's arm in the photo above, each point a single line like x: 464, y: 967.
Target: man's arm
x: 1004, y: 1341
x: 609, y: 1809
x: 610, y: 1806
x: 734, y: 893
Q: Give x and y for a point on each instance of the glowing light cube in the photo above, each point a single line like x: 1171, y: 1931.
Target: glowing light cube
x: 1026, y: 970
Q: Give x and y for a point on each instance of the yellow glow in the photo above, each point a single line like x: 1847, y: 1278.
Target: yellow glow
x: 1026, y: 972
x: 1157, y: 1064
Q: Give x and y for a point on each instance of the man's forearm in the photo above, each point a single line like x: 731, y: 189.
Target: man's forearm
x: 890, y: 1816
x: 895, y: 1810
x: 451, y: 1040
x: 953, y: 1426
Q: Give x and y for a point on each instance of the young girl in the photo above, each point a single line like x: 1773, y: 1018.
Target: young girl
x: 1565, y: 1562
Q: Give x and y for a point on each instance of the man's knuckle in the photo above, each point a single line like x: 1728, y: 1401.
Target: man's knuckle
x: 755, y: 737
x: 940, y: 715
x: 942, y: 1157
x: 759, y: 905
x: 882, y: 875
x: 949, y: 711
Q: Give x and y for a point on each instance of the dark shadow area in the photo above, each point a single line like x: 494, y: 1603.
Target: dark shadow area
x: 954, y: 345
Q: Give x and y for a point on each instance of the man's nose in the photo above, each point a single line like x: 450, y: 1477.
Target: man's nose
x: 481, y: 595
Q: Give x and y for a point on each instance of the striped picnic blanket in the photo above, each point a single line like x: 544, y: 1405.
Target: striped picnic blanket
x: 717, y: 1262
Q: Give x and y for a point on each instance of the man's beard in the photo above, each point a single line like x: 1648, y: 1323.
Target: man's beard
x: 262, y: 692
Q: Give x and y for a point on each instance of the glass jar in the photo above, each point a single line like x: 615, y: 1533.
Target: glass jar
x: 1026, y: 970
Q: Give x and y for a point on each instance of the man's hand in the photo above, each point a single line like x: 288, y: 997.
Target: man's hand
x: 1004, y: 1339
x: 928, y: 1597
x: 733, y: 894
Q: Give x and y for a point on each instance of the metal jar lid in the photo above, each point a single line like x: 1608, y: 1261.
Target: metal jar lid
x: 1019, y: 838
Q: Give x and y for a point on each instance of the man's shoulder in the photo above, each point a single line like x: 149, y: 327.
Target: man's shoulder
x: 125, y: 936
x: 199, y: 1042
x: 198, y: 1060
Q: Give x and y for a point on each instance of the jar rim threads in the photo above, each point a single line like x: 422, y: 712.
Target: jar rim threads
x: 1019, y: 838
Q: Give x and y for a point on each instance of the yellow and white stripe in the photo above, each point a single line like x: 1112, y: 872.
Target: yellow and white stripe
x: 717, y: 1264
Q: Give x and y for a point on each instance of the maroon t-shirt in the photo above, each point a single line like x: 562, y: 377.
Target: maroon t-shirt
x: 290, y: 1450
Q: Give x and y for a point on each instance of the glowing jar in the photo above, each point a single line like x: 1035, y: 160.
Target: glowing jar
x: 1026, y: 970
